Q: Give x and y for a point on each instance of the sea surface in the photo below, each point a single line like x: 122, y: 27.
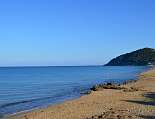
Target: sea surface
x: 25, y: 88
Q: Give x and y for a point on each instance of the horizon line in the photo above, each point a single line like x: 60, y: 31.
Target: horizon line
x: 51, y: 66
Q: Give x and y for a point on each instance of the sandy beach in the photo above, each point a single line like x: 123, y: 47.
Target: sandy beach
x: 135, y: 101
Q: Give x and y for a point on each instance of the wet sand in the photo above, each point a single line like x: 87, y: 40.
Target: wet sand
x: 136, y: 101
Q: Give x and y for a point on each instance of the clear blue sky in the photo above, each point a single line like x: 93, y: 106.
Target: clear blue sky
x: 73, y: 32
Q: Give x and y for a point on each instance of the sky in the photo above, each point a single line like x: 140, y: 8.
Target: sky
x: 73, y: 32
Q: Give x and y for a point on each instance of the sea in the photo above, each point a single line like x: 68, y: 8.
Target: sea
x: 27, y: 88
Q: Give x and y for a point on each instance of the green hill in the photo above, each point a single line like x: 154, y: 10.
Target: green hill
x: 141, y: 57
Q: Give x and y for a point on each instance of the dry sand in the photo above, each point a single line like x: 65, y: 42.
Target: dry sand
x: 137, y: 102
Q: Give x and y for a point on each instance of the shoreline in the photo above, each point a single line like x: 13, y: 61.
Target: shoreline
x: 34, y: 113
x: 39, y: 108
x: 82, y: 93
x: 87, y: 92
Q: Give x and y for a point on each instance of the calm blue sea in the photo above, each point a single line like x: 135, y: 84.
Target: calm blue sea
x: 24, y: 88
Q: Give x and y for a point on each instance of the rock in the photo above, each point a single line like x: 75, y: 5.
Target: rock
x: 109, y: 84
x: 129, y: 81
x: 100, y: 117
x: 106, y: 86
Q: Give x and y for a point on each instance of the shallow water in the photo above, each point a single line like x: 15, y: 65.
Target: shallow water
x: 24, y: 88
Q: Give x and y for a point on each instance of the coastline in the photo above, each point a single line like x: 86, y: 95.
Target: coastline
x: 102, y: 103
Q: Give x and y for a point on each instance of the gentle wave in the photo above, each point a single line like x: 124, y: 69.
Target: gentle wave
x: 24, y: 101
x: 38, y: 99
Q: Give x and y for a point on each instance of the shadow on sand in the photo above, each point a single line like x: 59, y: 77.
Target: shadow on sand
x: 147, y: 117
x: 150, y: 99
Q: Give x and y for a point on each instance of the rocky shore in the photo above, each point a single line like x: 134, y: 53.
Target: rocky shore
x: 132, y: 100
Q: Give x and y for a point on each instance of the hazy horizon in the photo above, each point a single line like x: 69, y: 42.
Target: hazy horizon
x: 73, y: 33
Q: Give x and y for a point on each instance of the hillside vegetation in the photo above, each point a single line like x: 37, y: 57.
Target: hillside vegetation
x: 141, y: 57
